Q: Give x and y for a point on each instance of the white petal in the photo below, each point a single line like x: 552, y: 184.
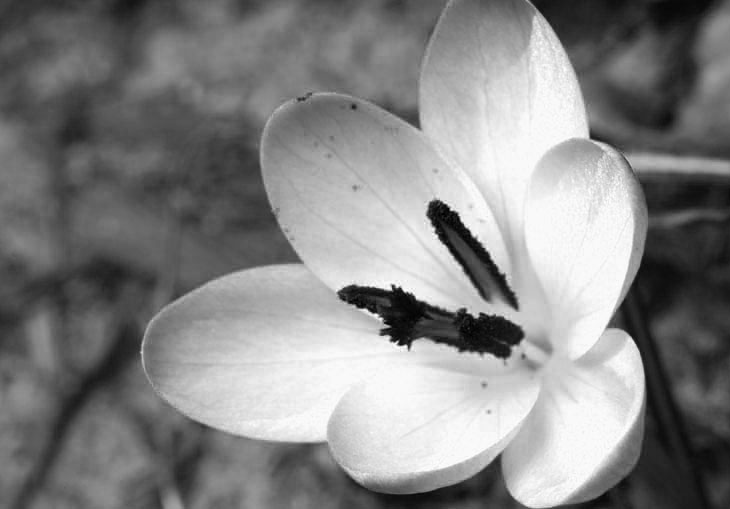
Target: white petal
x: 497, y: 91
x: 351, y: 183
x: 265, y: 353
x: 419, y: 429
x: 585, y: 432
x: 585, y: 227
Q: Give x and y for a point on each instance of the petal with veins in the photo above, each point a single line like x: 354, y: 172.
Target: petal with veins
x: 585, y: 432
x: 497, y: 90
x: 351, y: 185
x: 419, y: 429
x: 585, y: 225
x: 268, y: 352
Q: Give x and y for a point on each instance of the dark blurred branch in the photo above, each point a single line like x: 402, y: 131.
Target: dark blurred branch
x: 176, y: 458
x: 100, y: 270
x: 671, y: 426
x: 122, y: 350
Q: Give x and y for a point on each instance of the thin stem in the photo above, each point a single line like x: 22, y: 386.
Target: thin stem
x: 661, y: 400
x: 668, y: 167
x: 690, y: 217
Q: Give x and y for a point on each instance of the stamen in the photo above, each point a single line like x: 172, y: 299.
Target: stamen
x: 407, y: 319
x: 474, y: 259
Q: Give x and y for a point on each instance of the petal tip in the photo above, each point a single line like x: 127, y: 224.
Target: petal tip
x: 579, y: 443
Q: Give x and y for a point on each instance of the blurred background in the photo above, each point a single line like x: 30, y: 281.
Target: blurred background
x: 129, y: 174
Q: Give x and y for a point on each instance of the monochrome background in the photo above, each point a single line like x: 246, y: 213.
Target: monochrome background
x: 129, y: 174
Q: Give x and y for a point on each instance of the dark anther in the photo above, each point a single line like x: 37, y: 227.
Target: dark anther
x: 487, y: 334
x: 470, y: 254
x: 398, y: 309
x: 407, y: 319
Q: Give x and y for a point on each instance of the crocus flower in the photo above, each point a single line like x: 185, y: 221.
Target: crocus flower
x: 456, y: 284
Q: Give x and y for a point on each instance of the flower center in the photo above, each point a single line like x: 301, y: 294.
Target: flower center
x: 407, y: 318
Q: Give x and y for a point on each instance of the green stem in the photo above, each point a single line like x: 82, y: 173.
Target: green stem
x: 660, y: 398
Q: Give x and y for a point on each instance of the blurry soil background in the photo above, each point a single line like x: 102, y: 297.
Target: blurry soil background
x: 129, y: 173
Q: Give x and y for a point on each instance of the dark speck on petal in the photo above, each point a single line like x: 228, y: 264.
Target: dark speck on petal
x: 304, y: 97
x: 353, y: 106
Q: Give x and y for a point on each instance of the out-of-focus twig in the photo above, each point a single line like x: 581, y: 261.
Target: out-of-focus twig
x: 661, y: 402
x: 168, y: 270
x: 690, y: 217
x: 175, y: 457
x: 124, y: 347
x: 652, y: 167
x: 15, y: 299
x: 170, y: 484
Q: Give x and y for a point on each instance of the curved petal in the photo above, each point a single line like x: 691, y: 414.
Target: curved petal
x: 419, y: 429
x: 265, y: 353
x: 585, y: 228
x: 351, y: 184
x: 585, y: 432
x: 497, y: 90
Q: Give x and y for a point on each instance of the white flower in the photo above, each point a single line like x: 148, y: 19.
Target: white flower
x: 500, y: 206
